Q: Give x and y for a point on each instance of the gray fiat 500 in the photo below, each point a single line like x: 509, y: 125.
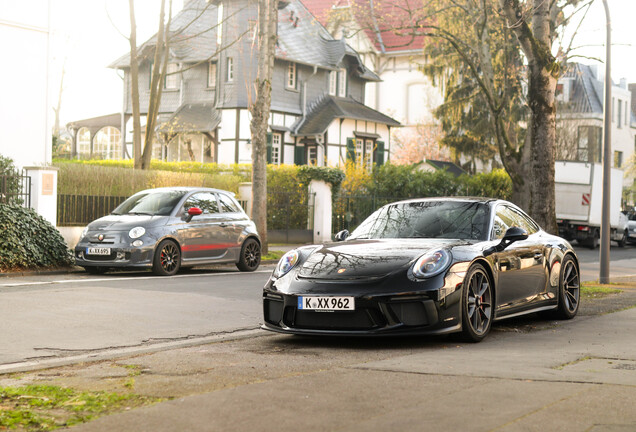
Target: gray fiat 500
x: 166, y: 229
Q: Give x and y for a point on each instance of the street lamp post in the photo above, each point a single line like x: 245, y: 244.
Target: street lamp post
x: 607, y: 154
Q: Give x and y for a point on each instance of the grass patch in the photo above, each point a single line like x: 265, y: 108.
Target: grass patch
x: 45, y: 408
x: 273, y: 255
x: 592, y: 290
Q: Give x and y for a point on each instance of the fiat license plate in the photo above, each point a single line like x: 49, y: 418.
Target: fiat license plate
x: 325, y: 303
x: 97, y: 251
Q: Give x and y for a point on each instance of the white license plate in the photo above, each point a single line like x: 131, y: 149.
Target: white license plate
x: 326, y: 303
x: 98, y: 251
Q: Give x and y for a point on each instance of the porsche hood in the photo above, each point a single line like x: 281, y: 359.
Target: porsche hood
x: 363, y: 259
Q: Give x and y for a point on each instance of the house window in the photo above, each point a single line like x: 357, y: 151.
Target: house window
x: 219, y: 25
x: 589, y: 144
x: 291, y: 76
x: 333, y: 82
x: 84, y: 141
x: 620, y: 113
x: 618, y: 159
x: 342, y: 82
x: 107, y: 143
x: 212, y: 74
x: 276, y: 142
x: 368, y: 153
x: 359, y: 151
x: 230, y: 69
x: 171, y: 81
x: 312, y: 155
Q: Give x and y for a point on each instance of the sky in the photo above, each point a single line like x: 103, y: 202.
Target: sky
x: 85, y: 39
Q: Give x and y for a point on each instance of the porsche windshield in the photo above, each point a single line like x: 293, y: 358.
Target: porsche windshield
x: 427, y: 219
x: 156, y: 203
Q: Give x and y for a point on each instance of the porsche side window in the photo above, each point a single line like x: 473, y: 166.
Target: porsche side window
x: 227, y: 205
x: 204, y: 200
x: 523, y: 221
x: 503, y: 221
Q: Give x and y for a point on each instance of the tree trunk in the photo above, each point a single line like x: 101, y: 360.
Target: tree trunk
x: 267, y: 32
x: 134, y: 87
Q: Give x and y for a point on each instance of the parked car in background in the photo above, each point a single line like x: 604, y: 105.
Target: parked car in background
x: 167, y: 229
x: 631, y: 227
x: 425, y: 266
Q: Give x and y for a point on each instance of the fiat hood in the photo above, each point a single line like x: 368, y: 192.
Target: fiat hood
x: 125, y: 222
x: 363, y: 259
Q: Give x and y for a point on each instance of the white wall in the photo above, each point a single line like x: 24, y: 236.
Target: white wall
x: 25, y: 133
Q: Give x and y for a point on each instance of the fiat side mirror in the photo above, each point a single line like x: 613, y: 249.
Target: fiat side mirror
x: 342, y: 235
x: 512, y: 235
x: 193, y: 211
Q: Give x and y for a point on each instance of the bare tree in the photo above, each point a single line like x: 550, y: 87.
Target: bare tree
x: 260, y: 108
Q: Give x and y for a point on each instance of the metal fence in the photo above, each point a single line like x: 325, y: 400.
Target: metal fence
x: 290, y: 216
x: 16, y: 188
x: 350, y: 210
x: 80, y: 210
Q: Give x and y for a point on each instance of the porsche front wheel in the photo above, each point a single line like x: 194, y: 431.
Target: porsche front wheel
x: 477, y: 304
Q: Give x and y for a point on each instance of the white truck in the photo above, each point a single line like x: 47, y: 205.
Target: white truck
x: 579, y: 203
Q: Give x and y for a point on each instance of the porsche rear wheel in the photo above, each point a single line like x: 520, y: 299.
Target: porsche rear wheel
x: 167, y: 260
x: 569, y: 289
x: 477, y: 304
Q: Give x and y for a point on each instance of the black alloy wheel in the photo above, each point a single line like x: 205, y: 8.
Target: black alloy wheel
x: 167, y: 259
x: 569, y: 289
x: 477, y: 304
x: 250, y: 257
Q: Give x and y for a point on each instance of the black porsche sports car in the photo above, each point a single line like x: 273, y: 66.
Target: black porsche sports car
x: 425, y: 266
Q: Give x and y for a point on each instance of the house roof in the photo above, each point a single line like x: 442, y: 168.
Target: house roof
x: 300, y: 39
x: 96, y: 123
x: 192, y: 117
x: 451, y: 167
x: 322, y: 113
x: 379, y: 20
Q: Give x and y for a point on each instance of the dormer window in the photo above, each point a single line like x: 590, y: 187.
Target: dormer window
x: 291, y: 76
x: 342, y: 83
x: 211, y: 74
x: 219, y: 25
x: 230, y: 69
x: 172, y: 77
x: 333, y: 83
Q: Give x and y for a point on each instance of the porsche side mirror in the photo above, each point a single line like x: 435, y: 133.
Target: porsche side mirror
x: 342, y: 235
x: 512, y: 235
x: 193, y: 211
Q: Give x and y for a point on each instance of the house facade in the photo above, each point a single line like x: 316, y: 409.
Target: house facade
x: 580, y: 98
x: 318, y: 115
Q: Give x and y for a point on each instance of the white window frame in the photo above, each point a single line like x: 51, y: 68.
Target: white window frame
x: 333, y: 83
x: 276, y: 147
x: 359, y: 151
x: 368, y: 153
x: 211, y: 74
x: 312, y: 155
x: 342, y: 83
x: 219, y: 25
x: 171, y: 80
x: 291, y: 76
x: 230, y: 69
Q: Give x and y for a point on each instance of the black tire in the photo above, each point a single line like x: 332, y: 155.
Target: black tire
x: 167, y: 260
x: 477, y: 304
x: 250, y: 257
x: 622, y: 242
x: 593, y: 242
x: 569, y: 289
x: 95, y: 270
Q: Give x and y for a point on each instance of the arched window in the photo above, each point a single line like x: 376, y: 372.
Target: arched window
x: 84, y: 142
x: 107, y: 144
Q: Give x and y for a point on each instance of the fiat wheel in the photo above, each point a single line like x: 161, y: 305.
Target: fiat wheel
x: 167, y: 260
x: 250, y: 257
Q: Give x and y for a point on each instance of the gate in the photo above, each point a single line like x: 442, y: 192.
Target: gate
x: 290, y: 216
x: 80, y: 210
x: 16, y: 189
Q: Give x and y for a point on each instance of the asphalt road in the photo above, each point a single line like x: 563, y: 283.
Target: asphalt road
x: 75, y: 316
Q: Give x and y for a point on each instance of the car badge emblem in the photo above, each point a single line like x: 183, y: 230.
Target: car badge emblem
x: 100, y: 237
x: 342, y: 270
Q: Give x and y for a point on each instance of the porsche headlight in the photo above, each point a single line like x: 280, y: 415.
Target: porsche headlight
x: 431, y: 264
x: 136, y: 232
x: 286, y: 263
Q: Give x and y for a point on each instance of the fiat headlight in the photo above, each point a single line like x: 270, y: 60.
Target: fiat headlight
x: 137, y: 232
x: 286, y: 263
x: 84, y: 232
x: 431, y: 264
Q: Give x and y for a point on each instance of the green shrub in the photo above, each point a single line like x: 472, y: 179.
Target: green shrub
x: 9, y: 181
x: 27, y: 240
x: 495, y: 184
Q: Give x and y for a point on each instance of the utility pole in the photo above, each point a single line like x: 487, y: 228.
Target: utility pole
x: 607, y: 154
